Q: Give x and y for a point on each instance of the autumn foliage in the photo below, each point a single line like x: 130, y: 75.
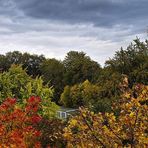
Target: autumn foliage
x: 26, y: 125
x: 126, y: 126
x: 17, y: 125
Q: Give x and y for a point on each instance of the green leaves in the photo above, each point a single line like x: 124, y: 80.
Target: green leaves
x: 133, y: 62
x: 85, y: 94
x: 53, y: 73
x: 79, y: 68
x: 16, y: 83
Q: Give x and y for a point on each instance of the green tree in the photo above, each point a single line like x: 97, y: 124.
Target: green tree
x: 53, y: 73
x: 80, y: 67
x: 133, y: 62
x: 65, y: 98
x: 109, y: 82
x: 29, y: 62
x: 85, y: 94
x: 14, y: 57
x: 4, y: 65
x: 12, y: 82
x: 32, y: 64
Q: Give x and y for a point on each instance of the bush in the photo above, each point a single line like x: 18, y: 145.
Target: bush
x: 17, y: 125
x: 127, y: 129
x: 85, y: 94
x: 17, y: 84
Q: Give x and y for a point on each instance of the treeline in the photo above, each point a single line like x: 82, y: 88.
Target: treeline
x: 80, y: 81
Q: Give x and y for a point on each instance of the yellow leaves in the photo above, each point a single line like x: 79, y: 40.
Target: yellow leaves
x: 127, y: 106
x: 84, y: 115
x: 13, y: 146
x: 105, y: 128
x: 73, y: 122
x: 144, y: 140
x: 110, y: 129
x: 92, y: 113
x: 82, y: 144
x: 127, y: 95
x: 132, y: 114
x: 95, y: 124
x: 67, y: 136
x: 111, y: 117
x: 17, y: 106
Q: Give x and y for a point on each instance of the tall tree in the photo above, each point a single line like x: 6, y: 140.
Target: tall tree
x: 85, y: 94
x: 4, y: 65
x: 29, y: 62
x: 32, y: 63
x: 14, y: 57
x: 80, y: 67
x: 52, y: 71
x: 133, y: 62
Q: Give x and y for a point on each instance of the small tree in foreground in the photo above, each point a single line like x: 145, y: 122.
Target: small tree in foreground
x: 129, y: 128
x: 17, y: 126
x: 16, y: 83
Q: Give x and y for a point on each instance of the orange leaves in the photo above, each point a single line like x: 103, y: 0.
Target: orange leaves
x: 8, y: 104
x: 17, y: 124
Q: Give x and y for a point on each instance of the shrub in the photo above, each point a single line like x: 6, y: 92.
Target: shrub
x: 17, y: 84
x: 127, y: 129
x: 17, y: 125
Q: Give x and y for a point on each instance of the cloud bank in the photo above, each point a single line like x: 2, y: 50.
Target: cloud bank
x: 54, y: 27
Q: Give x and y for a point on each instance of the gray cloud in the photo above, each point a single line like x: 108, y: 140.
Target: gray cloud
x: 53, y: 27
x: 98, y: 12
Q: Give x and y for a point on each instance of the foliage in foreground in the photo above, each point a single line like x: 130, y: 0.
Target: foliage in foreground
x: 52, y: 133
x: 17, y: 125
x: 16, y: 83
x: 127, y: 129
x: 24, y: 127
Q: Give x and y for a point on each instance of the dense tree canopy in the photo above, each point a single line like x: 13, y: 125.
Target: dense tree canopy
x: 80, y: 67
x: 85, y: 94
x: 112, y: 114
x: 29, y: 62
x: 53, y: 73
x: 77, y: 67
x: 133, y: 62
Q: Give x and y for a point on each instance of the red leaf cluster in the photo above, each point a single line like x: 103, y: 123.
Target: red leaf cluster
x: 17, y: 125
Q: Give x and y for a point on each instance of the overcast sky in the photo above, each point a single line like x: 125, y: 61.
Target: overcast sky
x: 54, y: 27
